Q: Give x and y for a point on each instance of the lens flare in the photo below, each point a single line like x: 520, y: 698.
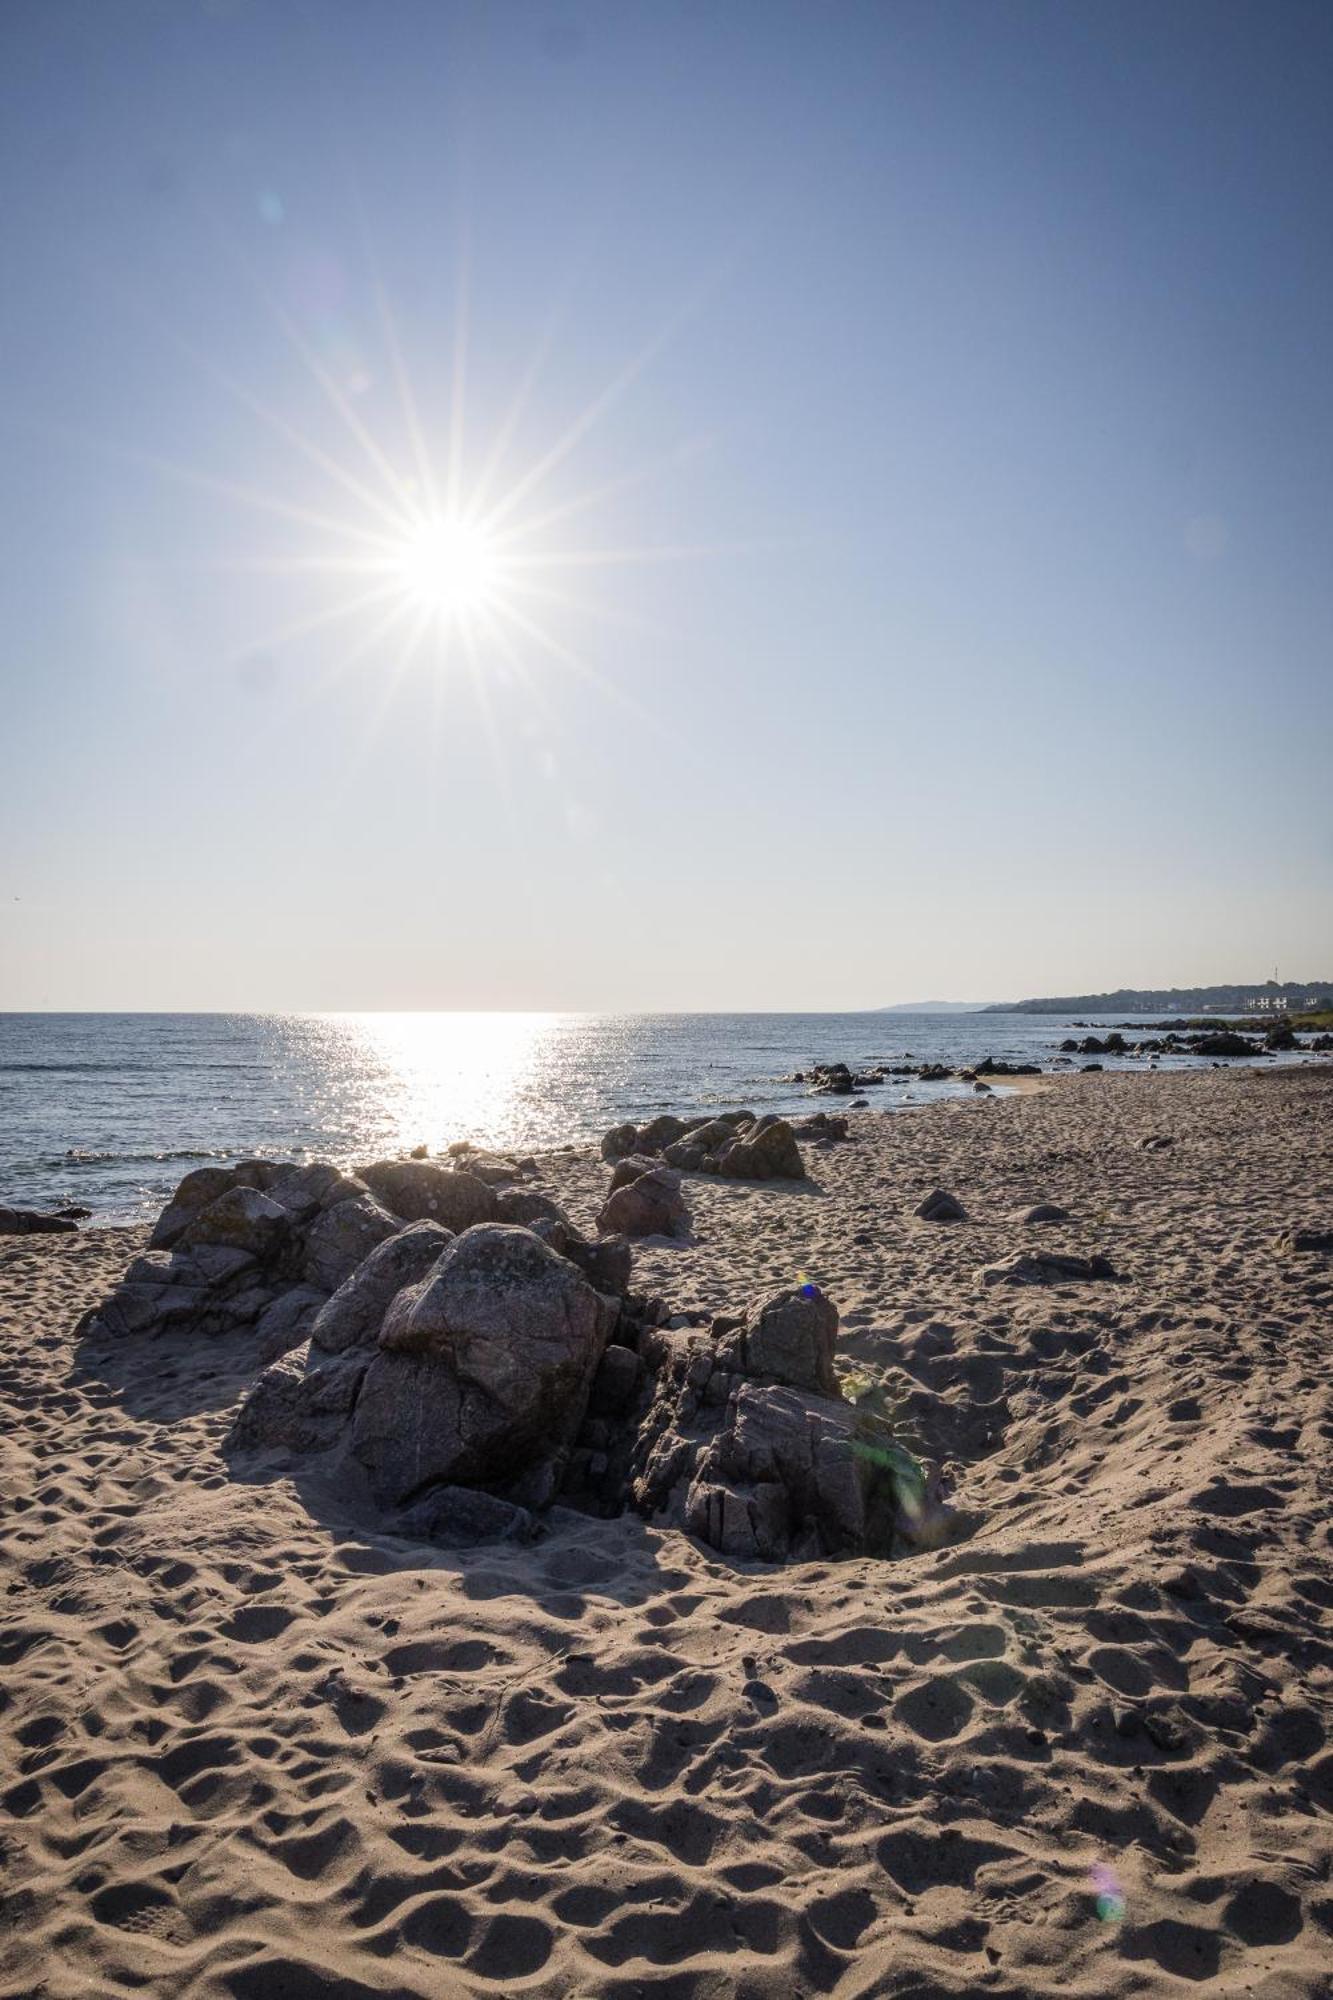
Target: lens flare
x: 1109, y: 1899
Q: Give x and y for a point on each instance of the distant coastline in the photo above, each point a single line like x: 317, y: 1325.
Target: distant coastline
x: 939, y: 1007
x: 1293, y: 995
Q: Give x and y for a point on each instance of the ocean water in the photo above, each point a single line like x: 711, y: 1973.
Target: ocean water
x: 110, y: 1110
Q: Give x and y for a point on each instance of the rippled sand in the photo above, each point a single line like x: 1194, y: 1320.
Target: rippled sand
x: 252, y: 1751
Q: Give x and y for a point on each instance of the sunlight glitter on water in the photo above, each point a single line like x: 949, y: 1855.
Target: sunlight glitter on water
x: 437, y: 1076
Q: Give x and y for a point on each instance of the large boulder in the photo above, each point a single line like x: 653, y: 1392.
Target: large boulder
x: 648, y: 1204
x: 483, y: 1366
x: 342, y: 1237
x: 418, y: 1191
x: 619, y: 1141
x: 767, y: 1151
x: 355, y: 1313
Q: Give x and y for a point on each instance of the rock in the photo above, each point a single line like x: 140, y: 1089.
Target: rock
x: 342, y: 1236
x: 482, y: 1367
x: 616, y: 1382
x: 194, y: 1193
x: 619, y: 1141
x: 1226, y: 1045
x: 792, y: 1473
x: 787, y: 1337
x: 463, y: 1518
x: 305, y: 1190
x: 1159, y: 1143
x: 606, y: 1265
x: 819, y: 1125
x: 241, y: 1218
x: 150, y: 1308
x: 297, y: 1407
x: 651, y: 1204
x: 660, y: 1132
x: 35, y: 1222
x: 419, y: 1153
x: 286, y: 1323
x: 768, y: 1151
x: 1046, y: 1268
x: 831, y: 1080
x: 355, y: 1313
x: 526, y: 1207
x: 940, y: 1207
x: 710, y: 1137
x: 630, y: 1169
x: 419, y: 1191
x: 1044, y: 1211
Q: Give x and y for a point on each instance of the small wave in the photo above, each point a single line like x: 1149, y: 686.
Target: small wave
x: 77, y: 1157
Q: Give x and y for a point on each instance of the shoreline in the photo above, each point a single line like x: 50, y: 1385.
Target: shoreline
x: 615, y: 1761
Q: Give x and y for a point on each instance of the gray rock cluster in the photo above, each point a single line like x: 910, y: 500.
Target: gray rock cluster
x: 735, y: 1144
x: 743, y: 1438
x: 458, y: 1355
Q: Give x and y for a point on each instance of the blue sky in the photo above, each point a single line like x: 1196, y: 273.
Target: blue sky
x: 922, y: 563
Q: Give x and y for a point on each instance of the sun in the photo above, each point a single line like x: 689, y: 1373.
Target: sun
x: 448, y: 568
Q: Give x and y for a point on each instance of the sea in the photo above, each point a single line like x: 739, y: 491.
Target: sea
x: 110, y: 1110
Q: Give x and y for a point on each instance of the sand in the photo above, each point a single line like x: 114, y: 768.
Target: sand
x: 251, y: 1752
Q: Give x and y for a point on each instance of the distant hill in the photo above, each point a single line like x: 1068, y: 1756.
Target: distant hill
x: 936, y: 1007
x: 1271, y: 997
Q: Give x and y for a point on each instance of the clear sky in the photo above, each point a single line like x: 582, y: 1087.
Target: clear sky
x: 637, y: 504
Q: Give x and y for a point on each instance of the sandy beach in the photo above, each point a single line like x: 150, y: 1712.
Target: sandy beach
x: 254, y: 1751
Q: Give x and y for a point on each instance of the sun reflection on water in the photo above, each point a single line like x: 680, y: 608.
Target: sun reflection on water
x: 441, y: 1077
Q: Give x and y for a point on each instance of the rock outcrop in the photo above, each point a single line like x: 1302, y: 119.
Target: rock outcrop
x: 455, y: 1383
x: 736, y: 1145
